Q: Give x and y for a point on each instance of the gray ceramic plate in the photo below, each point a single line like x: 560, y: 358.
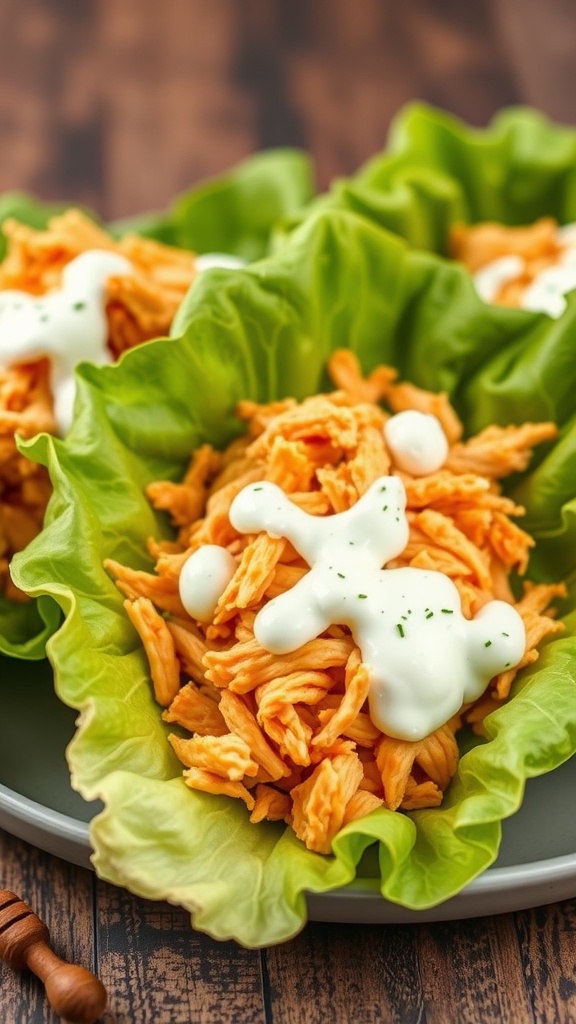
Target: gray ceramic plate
x: 537, y: 862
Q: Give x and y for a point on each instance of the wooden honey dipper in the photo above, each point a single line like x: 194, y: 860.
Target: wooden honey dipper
x: 73, y: 992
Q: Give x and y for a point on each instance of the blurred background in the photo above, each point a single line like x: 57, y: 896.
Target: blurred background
x: 120, y: 104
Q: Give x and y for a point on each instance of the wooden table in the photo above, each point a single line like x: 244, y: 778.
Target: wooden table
x: 516, y: 968
x: 119, y: 104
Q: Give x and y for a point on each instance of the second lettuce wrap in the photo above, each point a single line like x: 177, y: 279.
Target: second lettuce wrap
x: 436, y: 171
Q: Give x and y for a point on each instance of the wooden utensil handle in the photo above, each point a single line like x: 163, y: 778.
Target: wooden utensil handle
x: 73, y: 992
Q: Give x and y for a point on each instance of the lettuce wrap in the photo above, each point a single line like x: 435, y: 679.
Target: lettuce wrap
x: 234, y: 214
x: 436, y: 171
x: 262, y: 333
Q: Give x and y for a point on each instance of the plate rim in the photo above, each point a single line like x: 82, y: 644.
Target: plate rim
x: 57, y: 828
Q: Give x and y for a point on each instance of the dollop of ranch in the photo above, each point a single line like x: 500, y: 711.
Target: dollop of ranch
x: 425, y: 658
x: 204, y: 577
x: 416, y: 441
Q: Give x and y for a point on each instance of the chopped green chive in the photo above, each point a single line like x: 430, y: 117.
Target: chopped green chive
x: 384, y: 508
x: 429, y: 615
x: 382, y: 489
x: 362, y: 595
x: 404, y: 618
x: 341, y: 575
x: 488, y: 643
x: 79, y: 305
x: 258, y: 488
x: 505, y: 634
x: 400, y: 629
x: 447, y: 611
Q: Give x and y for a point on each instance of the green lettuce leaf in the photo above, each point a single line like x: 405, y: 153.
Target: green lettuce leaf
x: 262, y: 333
x: 436, y: 171
x: 234, y: 214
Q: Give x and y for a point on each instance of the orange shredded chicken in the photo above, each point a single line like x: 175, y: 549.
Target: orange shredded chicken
x: 291, y: 735
x: 538, y: 246
x: 139, y: 306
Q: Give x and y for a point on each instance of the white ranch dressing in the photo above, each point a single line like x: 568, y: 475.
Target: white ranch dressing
x: 424, y: 657
x: 66, y: 326
x: 416, y: 442
x: 547, y: 292
x: 566, y: 235
x: 204, y: 577
x: 491, y: 277
x: 208, y: 260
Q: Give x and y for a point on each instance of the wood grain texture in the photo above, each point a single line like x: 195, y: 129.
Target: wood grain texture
x: 485, y: 980
x: 119, y: 105
x: 547, y: 946
x: 158, y: 971
x: 539, y: 43
x: 348, y: 973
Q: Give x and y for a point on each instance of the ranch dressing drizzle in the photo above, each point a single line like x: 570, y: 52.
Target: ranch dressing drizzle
x: 490, y: 278
x: 66, y: 326
x: 424, y: 657
x: 416, y: 442
x: 546, y: 293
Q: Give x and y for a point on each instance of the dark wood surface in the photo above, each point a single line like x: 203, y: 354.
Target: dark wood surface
x: 119, y: 104
x: 516, y: 968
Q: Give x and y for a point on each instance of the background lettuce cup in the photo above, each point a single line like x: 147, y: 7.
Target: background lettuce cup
x: 231, y: 215
x: 262, y: 333
x: 465, y: 192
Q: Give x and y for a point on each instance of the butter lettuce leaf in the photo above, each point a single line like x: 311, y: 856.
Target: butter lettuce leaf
x: 263, y: 333
x: 436, y: 171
